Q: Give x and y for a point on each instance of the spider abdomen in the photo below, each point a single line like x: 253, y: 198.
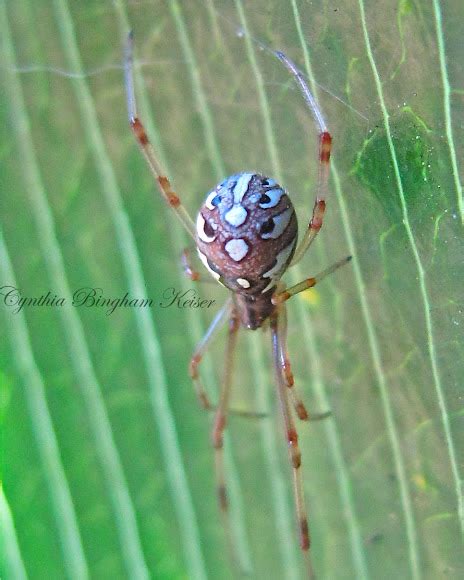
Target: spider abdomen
x: 247, y: 232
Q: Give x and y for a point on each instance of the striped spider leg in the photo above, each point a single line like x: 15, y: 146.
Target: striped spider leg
x: 246, y: 236
x: 325, y: 149
x: 147, y: 148
x: 219, y: 424
x: 287, y: 374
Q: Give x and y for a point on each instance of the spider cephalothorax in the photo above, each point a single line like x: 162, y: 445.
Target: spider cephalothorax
x: 246, y: 233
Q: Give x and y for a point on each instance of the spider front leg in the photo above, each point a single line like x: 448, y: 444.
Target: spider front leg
x: 325, y: 149
x: 147, y: 148
x: 284, y: 295
x: 317, y: 218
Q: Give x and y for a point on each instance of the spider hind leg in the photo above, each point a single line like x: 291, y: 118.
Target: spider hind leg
x: 290, y: 431
x: 219, y: 425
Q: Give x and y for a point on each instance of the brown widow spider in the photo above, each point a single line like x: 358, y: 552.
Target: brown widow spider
x: 246, y: 236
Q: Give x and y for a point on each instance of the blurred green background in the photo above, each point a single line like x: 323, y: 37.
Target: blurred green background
x: 107, y: 462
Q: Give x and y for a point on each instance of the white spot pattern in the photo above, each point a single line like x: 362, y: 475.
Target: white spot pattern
x: 236, y: 215
x: 237, y: 249
x: 243, y: 282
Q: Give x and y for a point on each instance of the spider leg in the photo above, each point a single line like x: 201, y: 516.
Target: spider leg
x: 280, y: 297
x: 218, y: 321
x: 291, y: 434
x: 325, y: 148
x: 298, y: 404
x: 147, y: 148
x: 220, y: 420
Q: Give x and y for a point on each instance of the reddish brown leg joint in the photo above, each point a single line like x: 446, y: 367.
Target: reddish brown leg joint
x: 319, y: 210
x: 325, y: 147
x: 295, y: 452
x: 204, y: 402
x: 305, y: 541
x: 219, y: 426
x: 288, y: 373
x: 290, y: 381
x: 139, y: 131
x: 165, y: 185
x: 301, y: 411
x: 193, y: 371
x: 222, y: 497
x: 189, y: 271
x: 218, y: 442
x: 193, y: 367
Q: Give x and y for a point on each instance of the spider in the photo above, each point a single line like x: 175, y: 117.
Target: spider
x: 246, y: 236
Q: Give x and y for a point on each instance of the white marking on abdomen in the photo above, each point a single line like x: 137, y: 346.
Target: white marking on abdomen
x: 201, y: 229
x: 204, y: 259
x: 209, y: 199
x: 275, y: 196
x: 241, y: 187
x: 237, y: 249
x: 276, y: 271
x: 281, y: 222
x: 236, y: 215
x: 243, y: 282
